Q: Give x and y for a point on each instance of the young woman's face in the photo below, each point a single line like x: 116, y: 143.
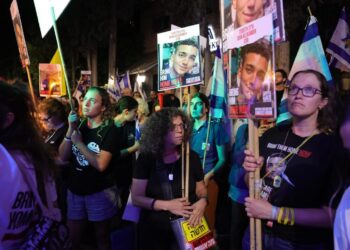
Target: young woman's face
x: 92, y: 104
x: 303, y: 106
x: 198, y: 109
x: 176, y: 134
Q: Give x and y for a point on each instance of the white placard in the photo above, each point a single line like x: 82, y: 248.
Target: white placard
x: 43, y: 12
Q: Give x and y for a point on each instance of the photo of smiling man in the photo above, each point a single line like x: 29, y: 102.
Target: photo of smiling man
x: 179, y: 58
x: 246, y: 11
x: 254, y: 89
x: 183, y: 58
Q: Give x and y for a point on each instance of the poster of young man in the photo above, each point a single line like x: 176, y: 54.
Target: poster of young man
x: 179, y: 58
x: 236, y: 15
x: 21, y: 42
x: 50, y: 80
x: 252, y: 93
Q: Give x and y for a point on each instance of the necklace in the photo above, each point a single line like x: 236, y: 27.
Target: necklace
x: 171, y: 175
x: 49, y: 137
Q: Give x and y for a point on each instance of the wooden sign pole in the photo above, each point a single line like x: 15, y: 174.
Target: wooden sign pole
x: 254, y: 187
x: 31, y: 87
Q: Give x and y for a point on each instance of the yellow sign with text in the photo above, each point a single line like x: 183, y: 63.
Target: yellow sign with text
x: 194, y: 233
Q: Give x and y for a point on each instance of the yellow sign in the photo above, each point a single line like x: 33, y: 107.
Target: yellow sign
x: 194, y: 233
x: 56, y: 59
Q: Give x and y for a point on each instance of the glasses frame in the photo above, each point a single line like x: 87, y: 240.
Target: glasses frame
x: 46, y: 119
x: 315, y: 91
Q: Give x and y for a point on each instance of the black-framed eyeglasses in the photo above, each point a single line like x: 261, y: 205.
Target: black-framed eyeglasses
x: 46, y: 119
x: 306, y: 91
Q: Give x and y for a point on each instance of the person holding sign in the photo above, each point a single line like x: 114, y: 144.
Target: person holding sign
x: 212, y: 152
x: 92, y: 150
x: 299, y: 163
x: 158, y: 177
x: 246, y: 11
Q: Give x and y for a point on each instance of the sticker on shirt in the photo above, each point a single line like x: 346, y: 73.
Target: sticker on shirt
x: 81, y: 159
x: 203, y: 146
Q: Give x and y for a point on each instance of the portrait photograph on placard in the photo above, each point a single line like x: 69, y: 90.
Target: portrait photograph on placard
x: 242, y: 19
x: 21, y: 42
x: 252, y: 92
x: 50, y: 80
x: 179, y: 58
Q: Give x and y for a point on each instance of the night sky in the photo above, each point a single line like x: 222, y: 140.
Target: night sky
x: 9, y: 54
x: 326, y: 12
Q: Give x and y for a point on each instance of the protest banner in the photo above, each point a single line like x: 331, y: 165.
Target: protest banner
x: 50, y: 80
x: 179, y: 58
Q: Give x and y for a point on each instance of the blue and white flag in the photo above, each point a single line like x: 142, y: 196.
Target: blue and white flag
x: 113, y: 88
x: 124, y: 81
x: 339, y: 45
x: 218, y: 93
x: 116, y: 86
x: 310, y: 56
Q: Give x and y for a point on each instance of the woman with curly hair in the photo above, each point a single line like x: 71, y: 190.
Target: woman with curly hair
x: 299, y: 163
x: 91, y: 149
x: 162, y: 136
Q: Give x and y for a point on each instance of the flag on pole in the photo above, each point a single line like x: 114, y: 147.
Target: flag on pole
x: 113, y: 88
x: 43, y: 12
x: 56, y: 59
x: 124, y: 81
x: 218, y: 95
x: 310, y: 56
x: 116, y: 86
x: 339, y: 45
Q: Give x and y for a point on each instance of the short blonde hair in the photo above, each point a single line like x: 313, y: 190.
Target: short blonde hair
x: 143, y: 106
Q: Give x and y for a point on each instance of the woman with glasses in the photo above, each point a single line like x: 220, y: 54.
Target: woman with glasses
x: 298, y: 164
x: 53, y: 117
x: 159, y: 165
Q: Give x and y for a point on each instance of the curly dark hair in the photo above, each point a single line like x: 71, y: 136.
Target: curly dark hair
x: 156, y: 128
x: 326, y: 119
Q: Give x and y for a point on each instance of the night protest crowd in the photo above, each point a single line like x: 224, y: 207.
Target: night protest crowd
x: 88, y: 162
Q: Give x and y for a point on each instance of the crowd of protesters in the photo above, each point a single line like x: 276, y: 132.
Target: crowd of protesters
x: 92, y: 161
